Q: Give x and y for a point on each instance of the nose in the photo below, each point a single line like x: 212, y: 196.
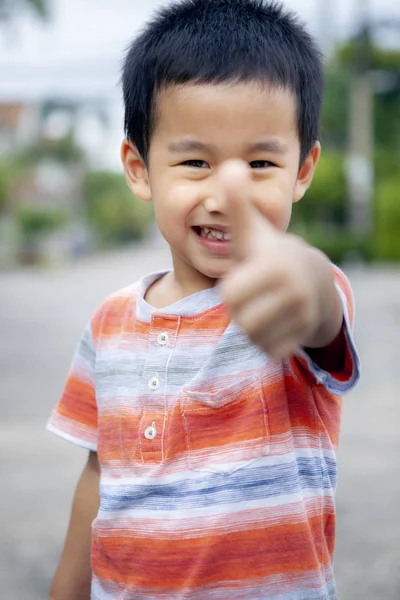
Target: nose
x: 214, y: 204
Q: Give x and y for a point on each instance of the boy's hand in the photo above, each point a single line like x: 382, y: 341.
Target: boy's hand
x: 279, y: 290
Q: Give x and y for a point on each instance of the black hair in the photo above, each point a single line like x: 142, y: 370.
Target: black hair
x: 217, y: 41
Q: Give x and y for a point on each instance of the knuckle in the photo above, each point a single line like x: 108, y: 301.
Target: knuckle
x: 283, y: 273
x: 229, y: 295
x: 224, y: 289
x: 299, y: 300
x: 251, y: 328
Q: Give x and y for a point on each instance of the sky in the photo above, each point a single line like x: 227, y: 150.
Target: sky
x: 79, y: 52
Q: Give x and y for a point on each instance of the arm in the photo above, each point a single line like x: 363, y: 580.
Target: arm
x: 72, y: 580
x: 326, y: 345
x: 280, y: 291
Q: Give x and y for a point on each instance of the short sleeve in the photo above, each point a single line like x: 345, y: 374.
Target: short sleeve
x: 75, y: 416
x: 343, y: 381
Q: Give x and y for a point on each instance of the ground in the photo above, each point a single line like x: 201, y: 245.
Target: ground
x: 42, y: 314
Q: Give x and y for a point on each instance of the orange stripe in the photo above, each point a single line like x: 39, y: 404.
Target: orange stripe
x: 203, y: 427
x: 78, y: 402
x: 344, y: 285
x: 238, y: 556
x: 108, y: 320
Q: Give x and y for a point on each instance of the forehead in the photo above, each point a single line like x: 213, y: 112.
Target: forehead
x: 242, y: 110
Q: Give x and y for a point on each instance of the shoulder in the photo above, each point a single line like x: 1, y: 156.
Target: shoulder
x: 342, y: 280
x: 112, y: 311
x: 345, y: 291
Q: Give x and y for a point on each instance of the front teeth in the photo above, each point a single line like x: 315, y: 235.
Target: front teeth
x: 212, y: 234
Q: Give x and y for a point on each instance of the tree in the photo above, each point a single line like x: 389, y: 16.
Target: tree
x: 384, y: 68
x: 9, y: 8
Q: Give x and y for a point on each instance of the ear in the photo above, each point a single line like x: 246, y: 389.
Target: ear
x: 135, y: 171
x: 306, y: 172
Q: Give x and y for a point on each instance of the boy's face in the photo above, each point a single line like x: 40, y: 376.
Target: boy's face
x: 197, y: 128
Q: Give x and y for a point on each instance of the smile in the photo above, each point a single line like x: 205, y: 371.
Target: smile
x: 213, y: 234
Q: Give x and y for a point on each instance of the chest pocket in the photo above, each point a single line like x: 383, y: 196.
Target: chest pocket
x: 226, y: 429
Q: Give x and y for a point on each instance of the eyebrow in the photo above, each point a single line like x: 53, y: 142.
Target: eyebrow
x: 269, y: 146
x: 183, y: 146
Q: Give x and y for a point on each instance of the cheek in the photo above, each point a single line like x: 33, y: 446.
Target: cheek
x: 281, y: 213
x: 277, y: 208
x: 172, y: 204
x: 176, y: 197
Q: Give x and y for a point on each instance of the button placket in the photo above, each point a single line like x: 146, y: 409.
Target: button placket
x: 161, y: 343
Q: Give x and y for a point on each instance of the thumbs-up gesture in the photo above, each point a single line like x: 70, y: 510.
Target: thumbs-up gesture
x: 280, y: 291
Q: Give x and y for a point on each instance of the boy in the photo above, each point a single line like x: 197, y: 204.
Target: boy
x: 208, y: 395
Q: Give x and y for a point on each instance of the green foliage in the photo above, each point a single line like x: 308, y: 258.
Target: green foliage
x: 10, y: 172
x: 386, y: 245
x: 386, y: 163
x: 63, y: 150
x: 35, y: 221
x: 340, y: 244
x: 325, y: 201
x: 335, y: 117
x: 376, y: 58
x: 40, y: 7
x: 387, y: 120
x: 112, y: 210
x: 3, y: 188
x: 9, y: 8
x: 335, y: 113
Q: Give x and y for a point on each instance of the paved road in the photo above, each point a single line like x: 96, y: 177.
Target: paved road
x: 41, y: 317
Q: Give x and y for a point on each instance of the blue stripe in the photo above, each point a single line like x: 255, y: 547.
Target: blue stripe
x: 243, y: 485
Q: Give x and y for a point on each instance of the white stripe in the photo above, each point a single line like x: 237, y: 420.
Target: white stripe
x: 189, y: 528
x: 70, y: 438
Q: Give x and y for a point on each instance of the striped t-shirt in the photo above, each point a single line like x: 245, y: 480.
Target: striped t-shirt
x: 218, y: 465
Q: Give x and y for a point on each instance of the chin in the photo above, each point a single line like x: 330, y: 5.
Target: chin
x: 215, y: 272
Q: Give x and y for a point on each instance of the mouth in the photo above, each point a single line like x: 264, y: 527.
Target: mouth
x: 216, y: 234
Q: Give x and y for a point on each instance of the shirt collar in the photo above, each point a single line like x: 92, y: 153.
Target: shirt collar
x: 190, y: 306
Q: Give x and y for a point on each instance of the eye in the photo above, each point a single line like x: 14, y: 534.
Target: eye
x: 261, y: 164
x: 196, y: 164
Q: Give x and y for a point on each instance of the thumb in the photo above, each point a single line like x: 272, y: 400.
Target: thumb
x: 234, y: 179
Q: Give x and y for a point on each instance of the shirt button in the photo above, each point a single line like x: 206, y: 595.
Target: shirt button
x: 162, y: 339
x: 150, y: 432
x: 154, y: 383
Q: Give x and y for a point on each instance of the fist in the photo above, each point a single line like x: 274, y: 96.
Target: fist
x: 273, y: 289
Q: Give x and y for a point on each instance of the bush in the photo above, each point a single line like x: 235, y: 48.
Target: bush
x: 34, y: 222
x: 112, y: 210
x: 326, y: 200
x: 386, y: 243
x: 335, y: 113
x: 339, y: 244
x: 3, y: 188
x: 63, y: 150
x: 386, y: 163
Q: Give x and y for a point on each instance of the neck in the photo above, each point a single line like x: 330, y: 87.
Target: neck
x: 187, y: 280
x: 182, y: 282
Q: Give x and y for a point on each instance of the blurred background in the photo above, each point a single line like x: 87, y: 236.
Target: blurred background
x: 71, y: 232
